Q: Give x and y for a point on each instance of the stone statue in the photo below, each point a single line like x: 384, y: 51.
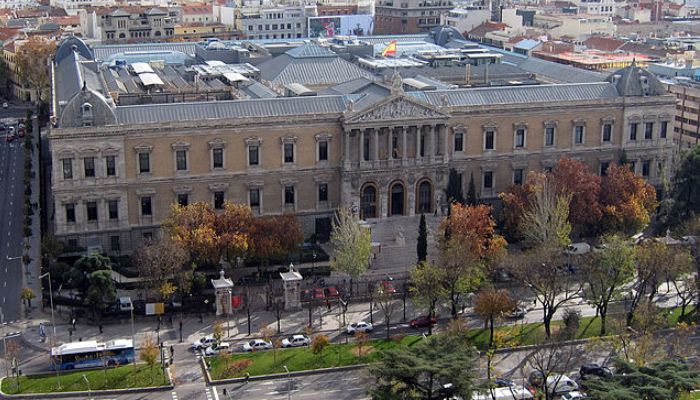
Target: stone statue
x: 349, y: 107
x: 444, y: 101
x: 396, y: 83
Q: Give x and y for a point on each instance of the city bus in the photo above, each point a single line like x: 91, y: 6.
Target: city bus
x: 90, y: 354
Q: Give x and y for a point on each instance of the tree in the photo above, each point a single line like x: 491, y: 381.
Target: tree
x: 575, y: 178
x: 218, y: 331
x: 268, y: 335
x: 421, y: 371
x: 553, y: 358
x: 491, y: 304
x: 361, y: 339
x: 627, y: 200
x: 275, y: 236
x: 101, y: 290
x: 454, y: 187
x: 149, y: 353
x: 4, y: 76
x: 32, y: 63
x: 606, y: 272
x: 472, y: 200
x: 545, y: 222
x: 352, y: 245
x: 319, y: 343
x: 162, y: 261
x: 685, y: 191
x: 80, y: 273
x: 50, y: 248
x: 663, y: 380
x: 26, y: 295
x: 426, y: 287
x: 539, y: 270
x: 468, y: 250
x: 422, y: 246
x: 387, y: 304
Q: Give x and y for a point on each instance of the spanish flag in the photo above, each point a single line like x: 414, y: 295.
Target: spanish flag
x: 389, y: 50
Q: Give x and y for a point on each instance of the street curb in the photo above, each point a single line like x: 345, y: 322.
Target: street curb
x: 308, y: 372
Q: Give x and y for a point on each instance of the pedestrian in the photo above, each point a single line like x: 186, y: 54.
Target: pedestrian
x: 100, y: 327
x: 247, y: 377
x: 172, y: 351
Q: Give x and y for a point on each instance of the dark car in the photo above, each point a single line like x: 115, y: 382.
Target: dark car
x: 306, y: 295
x: 503, y: 382
x: 422, y: 321
x: 589, y: 370
x: 331, y: 292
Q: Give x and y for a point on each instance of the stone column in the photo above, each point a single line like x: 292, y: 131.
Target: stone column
x: 375, y: 146
x: 419, y: 130
x: 430, y: 149
x: 404, y: 146
x: 362, y: 146
x: 411, y: 200
x: 445, y: 144
x: 389, y: 143
x: 383, y: 201
x: 346, y: 159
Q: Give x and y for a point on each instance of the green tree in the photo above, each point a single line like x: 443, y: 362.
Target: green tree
x: 83, y: 267
x: 454, y: 187
x: 4, y: 77
x: 422, y: 246
x: 685, y: 191
x: 387, y: 304
x: 546, y: 220
x: 472, y: 200
x: 420, y: 372
x: 101, y: 290
x: 352, y: 244
x: 426, y: 286
x: 605, y: 274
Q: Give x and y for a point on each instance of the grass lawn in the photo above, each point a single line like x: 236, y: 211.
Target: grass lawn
x: 114, y: 378
x: 300, y: 359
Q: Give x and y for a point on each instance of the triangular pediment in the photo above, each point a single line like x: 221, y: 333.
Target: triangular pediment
x: 396, y: 108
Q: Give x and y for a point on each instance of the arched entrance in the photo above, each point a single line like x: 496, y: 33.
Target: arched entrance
x: 424, y: 197
x: 368, y: 201
x: 397, y: 199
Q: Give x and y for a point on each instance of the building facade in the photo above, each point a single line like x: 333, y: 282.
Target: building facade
x: 408, y: 16
x: 116, y: 170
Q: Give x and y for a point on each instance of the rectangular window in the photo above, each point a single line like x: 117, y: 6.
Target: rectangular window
x: 144, y: 163
x: 114, y: 243
x: 365, y: 149
x: 323, y: 151
x: 520, y: 138
x: 648, y: 130
x: 549, y: 136
x: 146, y: 208
x: 322, y: 192
x: 518, y: 176
x: 113, y: 209
x: 181, y: 160
x: 664, y: 129
x: 217, y: 158
x: 147, y: 236
x: 253, y: 153
x: 91, y: 208
x: 70, y: 213
x: 111, y: 165
x: 604, y: 168
x: 633, y: 130
x: 67, y: 168
x: 489, y: 140
x: 89, y: 165
x: 459, y: 142
x: 633, y: 166
x: 646, y: 167
x: 578, y: 134
x: 183, y: 199
x: 254, y: 195
x: 288, y: 195
x: 488, y: 180
x: 289, y: 153
x: 219, y: 200
x: 607, y: 132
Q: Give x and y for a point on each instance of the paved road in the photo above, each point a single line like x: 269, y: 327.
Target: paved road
x: 11, y: 235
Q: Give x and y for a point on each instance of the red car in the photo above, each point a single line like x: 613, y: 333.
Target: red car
x: 318, y: 294
x: 20, y: 132
x: 9, y: 138
x: 422, y: 321
x: 305, y: 295
x: 331, y: 292
x: 388, y: 287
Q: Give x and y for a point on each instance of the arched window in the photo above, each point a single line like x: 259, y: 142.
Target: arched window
x: 425, y: 195
x: 368, y: 202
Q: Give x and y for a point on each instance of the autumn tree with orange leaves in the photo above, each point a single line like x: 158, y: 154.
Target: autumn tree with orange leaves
x: 468, y: 245
x: 32, y: 64
x: 627, y: 200
x: 274, y: 236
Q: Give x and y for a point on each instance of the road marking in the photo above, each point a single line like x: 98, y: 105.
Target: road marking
x: 174, y: 394
x: 208, y: 393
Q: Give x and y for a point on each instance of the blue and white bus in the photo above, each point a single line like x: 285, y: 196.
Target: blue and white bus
x: 90, y: 354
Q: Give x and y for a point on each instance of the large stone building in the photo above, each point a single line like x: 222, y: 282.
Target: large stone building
x: 372, y: 146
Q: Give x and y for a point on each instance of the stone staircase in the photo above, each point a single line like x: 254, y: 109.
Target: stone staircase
x: 398, y: 237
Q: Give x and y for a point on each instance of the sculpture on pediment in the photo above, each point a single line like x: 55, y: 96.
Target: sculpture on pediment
x: 396, y: 84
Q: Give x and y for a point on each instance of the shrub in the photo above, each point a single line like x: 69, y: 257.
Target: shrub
x: 319, y: 343
x: 397, y: 338
x: 572, y: 320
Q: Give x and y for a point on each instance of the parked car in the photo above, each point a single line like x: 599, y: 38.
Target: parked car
x: 21, y: 131
x: 203, y: 343
x: 517, y: 313
x: 577, y: 249
x: 575, y: 395
x: 257, y: 344
x: 361, y: 326
x: 422, y: 321
x: 216, y: 349
x: 296, y: 341
x: 503, y: 382
x: 388, y: 287
x: 560, y: 384
x: 588, y: 370
x: 306, y: 295
x: 319, y: 294
x: 5, y: 105
x: 331, y: 292
x: 9, y: 138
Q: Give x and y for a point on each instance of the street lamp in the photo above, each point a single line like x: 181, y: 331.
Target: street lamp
x: 53, y: 321
x: 88, y: 386
x: 289, y: 383
x: 4, y: 341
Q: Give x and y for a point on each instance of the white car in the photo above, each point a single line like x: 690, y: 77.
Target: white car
x: 203, y: 343
x: 575, y: 395
x: 216, y: 349
x: 560, y: 384
x: 361, y: 326
x: 257, y: 344
x: 296, y: 341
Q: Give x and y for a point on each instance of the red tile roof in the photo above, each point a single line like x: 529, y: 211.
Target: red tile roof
x: 603, y: 43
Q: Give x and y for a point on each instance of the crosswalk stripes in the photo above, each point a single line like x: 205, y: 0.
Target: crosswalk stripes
x: 174, y: 394
x: 208, y: 393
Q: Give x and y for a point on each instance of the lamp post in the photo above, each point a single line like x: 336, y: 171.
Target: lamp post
x: 289, y: 383
x: 88, y: 386
x: 4, y: 341
x: 53, y: 321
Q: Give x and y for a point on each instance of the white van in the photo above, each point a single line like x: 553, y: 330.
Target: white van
x: 505, y: 393
x: 560, y: 384
x: 124, y: 304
